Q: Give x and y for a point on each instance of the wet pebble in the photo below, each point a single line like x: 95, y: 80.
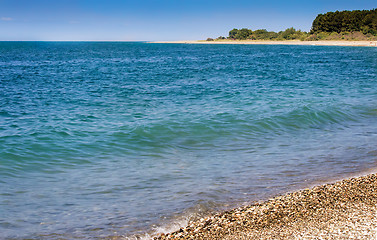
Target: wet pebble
x: 343, y: 210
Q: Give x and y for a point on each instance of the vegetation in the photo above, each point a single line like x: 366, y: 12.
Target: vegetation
x: 346, y: 21
x: 344, y: 25
x: 263, y: 34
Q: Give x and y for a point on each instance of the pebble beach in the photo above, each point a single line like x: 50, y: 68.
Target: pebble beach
x: 341, y: 210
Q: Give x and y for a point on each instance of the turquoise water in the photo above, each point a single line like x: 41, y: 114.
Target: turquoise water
x: 117, y: 139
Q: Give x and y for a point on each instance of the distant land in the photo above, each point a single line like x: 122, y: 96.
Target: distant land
x: 356, y: 25
x: 284, y: 42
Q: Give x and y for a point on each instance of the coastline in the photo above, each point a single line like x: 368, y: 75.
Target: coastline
x: 256, y: 42
x: 345, y: 209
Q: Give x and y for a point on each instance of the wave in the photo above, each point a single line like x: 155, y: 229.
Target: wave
x: 161, y: 136
x: 181, y: 131
x: 230, y: 124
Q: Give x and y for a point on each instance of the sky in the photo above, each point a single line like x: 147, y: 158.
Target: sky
x: 157, y: 20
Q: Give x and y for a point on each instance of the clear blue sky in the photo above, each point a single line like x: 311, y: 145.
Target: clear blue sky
x: 157, y: 19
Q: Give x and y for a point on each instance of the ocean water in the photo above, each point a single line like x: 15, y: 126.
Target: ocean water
x: 101, y: 140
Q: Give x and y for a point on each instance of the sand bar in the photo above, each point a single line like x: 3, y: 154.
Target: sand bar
x: 344, y: 210
x: 309, y: 43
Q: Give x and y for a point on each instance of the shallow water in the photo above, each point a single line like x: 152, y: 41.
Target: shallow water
x: 116, y: 139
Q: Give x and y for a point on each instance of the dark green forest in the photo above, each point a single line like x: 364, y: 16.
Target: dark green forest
x: 364, y: 21
x: 339, y: 25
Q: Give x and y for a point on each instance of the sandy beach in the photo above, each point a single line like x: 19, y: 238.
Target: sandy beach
x: 309, y: 43
x: 342, y: 210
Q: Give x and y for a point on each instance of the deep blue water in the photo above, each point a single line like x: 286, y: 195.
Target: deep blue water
x: 116, y: 139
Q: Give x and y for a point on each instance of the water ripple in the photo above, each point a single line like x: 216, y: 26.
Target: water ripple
x: 97, y: 138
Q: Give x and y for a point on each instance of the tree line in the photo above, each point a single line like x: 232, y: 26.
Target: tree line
x: 364, y: 21
x: 339, y: 25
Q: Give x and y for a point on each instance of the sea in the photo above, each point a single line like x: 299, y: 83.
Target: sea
x: 123, y: 140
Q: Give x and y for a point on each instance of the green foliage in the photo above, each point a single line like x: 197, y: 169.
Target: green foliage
x: 349, y: 36
x: 364, y: 21
x: 263, y: 34
x: 243, y: 34
x: 233, y: 33
x: 344, y: 25
x: 292, y: 34
x: 288, y: 34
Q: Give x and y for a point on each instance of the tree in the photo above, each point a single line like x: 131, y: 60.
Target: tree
x: 233, y: 33
x: 346, y: 21
x: 244, y: 34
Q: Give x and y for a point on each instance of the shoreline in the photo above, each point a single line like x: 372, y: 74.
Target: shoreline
x: 344, y: 209
x: 288, y: 42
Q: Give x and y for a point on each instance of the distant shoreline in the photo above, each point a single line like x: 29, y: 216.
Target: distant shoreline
x: 256, y: 42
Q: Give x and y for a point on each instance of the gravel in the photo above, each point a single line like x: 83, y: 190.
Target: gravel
x: 342, y: 210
